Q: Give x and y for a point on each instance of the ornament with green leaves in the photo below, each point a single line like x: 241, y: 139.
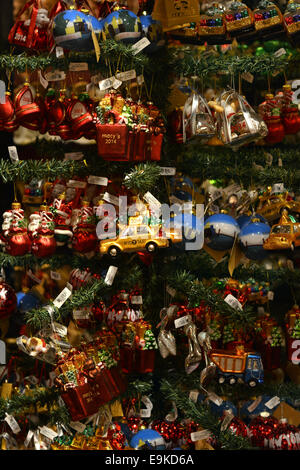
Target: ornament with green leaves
x: 214, y: 330
x: 106, y: 357
x: 128, y: 115
x: 296, y: 330
x: 150, y: 340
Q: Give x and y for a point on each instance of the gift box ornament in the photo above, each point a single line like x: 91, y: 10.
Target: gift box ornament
x: 112, y: 138
x: 267, y: 16
x: 212, y: 26
x: 238, y: 124
x: 238, y: 19
x: 175, y: 13
x: 291, y: 20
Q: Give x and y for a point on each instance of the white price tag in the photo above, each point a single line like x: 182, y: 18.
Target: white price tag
x: 106, y: 83
x: 278, y: 188
x: 194, y: 395
x: 110, y: 275
x: 146, y: 400
x: 81, y: 314
x: 79, y: 427
x: 73, y: 156
x: 272, y: 403
x: 59, y: 52
x: 111, y: 199
x: 36, y: 440
x: 137, y: 299
x: 280, y: 162
x: 55, y: 276
x: 125, y: 76
x: 12, y: 423
x: 78, y: 66
x: 62, y: 297
x: 179, y: 322
x: 167, y: 170
x: 233, y: 302
x: 145, y: 413
x: 151, y: 199
x: 99, y: 180
x: 32, y: 379
x: 215, y: 195
x: 226, y: 421
x: 33, y: 277
x: 2, y: 92
x: 254, y: 405
x: 271, y: 295
x: 140, y: 45
x: 280, y: 52
x: 28, y: 438
x: 55, y: 76
x: 76, y: 184
x: 260, y: 310
x: 43, y: 81
x: 171, y: 291
x: 62, y: 330
x: 215, y: 399
x: 13, y: 153
x: 248, y: 77
x: 199, y: 435
x: 116, y: 83
x: 140, y: 79
x: 48, y: 432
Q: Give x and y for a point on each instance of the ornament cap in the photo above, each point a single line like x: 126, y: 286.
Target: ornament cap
x: 287, y: 87
x: 44, y: 207
x: 16, y: 205
x: 85, y: 203
x: 269, y: 96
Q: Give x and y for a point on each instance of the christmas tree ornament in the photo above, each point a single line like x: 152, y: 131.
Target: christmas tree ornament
x: 290, y: 112
x: 62, y: 220
x: 239, y: 19
x: 194, y: 356
x: 8, y: 300
x: 268, y: 19
x: 7, y: 220
x: 55, y: 110
x: 84, y: 238
x: 238, y: 124
x: 147, y: 439
x: 262, y: 429
x: 153, y: 31
x: 28, y: 113
x: 146, y: 345
x: 220, y: 231
x: 80, y: 118
x: 7, y: 109
x: 291, y: 19
x: 286, y: 437
x: 112, y: 138
x: 73, y: 30
x: 32, y: 33
x: 212, y: 26
x: 197, y: 118
x: 122, y: 25
x: 284, y: 235
x: 173, y: 15
x: 43, y: 241
x: 252, y: 237
x: 18, y: 242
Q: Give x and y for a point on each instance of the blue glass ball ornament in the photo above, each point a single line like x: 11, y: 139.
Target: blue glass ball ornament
x: 220, y: 231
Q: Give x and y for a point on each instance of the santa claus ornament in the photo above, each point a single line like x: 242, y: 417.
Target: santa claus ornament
x: 44, y: 243
x: 18, y: 242
x: 84, y: 232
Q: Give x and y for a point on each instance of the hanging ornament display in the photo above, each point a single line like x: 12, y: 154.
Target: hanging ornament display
x: 238, y: 124
x: 28, y: 113
x: 291, y: 20
x: 197, y: 118
x: 267, y: 18
x: 238, y: 19
x: 220, y: 231
x: 252, y: 237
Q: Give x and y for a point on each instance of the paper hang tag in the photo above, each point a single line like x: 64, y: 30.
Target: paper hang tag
x: 270, y: 295
x: 145, y: 413
x: 200, y: 435
x: 125, y: 76
x: 77, y: 426
x: 76, y: 184
x: 13, y: 153
x: 11, y: 442
x: 148, y: 197
x: 12, y: 423
x: 73, y: 156
x: 254, y: 405
x: 260, y: 310
x: 78, y: 66
x: 278, y: 188
x: 137, y: 300
x: 36, y: 440
x: 2, y: 92
x: 280, y: 52
x: 48, y: 432
x: 59, y: 52
x: 43, y: 81
x: 140, y: 79
x: 167, y: 171
x: 171, y: 291
x: 248, y: 77
x: 147, y: 402
x: 215, y: 399
x: 111, y: 199
x: 80, y: 314
x: 28, y: 438
x: 98, y: 180
x: 193, y: 396
x: 233, y: 302
x: 171, y: 417
x: 110, y: 275
x: 106, y: 83
x: 60, y: 329
x: 226, y: 421
x: 216, y: 195
x: 280, y: 162
x: 55, y: 76
x: 33, y: 277
x: 62, y: 297
x: 55, y: 276
x: 179, y: 322
x: 140, y: 45
x: 273, y: 402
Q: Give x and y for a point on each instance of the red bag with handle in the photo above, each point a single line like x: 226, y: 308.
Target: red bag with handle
x: 32, y: 33
x: 112, y: 139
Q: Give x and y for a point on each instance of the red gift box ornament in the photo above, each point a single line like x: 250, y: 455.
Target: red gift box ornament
x: 112, y: 138
x: 32, y: 33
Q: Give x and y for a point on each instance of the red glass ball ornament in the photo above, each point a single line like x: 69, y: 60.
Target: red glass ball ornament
x: 238, y: 427
x: 8, y: 300
x: 262, y: 429
x: 291, y: 121
x: 44, y: 244
x: 286, y: 437
x: 276, y: 130
x: 116, y: 437
x: 18, y: 243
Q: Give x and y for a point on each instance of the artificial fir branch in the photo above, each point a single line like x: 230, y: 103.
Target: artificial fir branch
x: 142, y: 178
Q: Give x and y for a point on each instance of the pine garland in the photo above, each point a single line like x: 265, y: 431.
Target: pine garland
x: 142, y: 178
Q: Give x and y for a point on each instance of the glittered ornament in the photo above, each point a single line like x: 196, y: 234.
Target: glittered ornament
x: 262, y: 429
x: 286, y: 437
x: 116, y: 437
